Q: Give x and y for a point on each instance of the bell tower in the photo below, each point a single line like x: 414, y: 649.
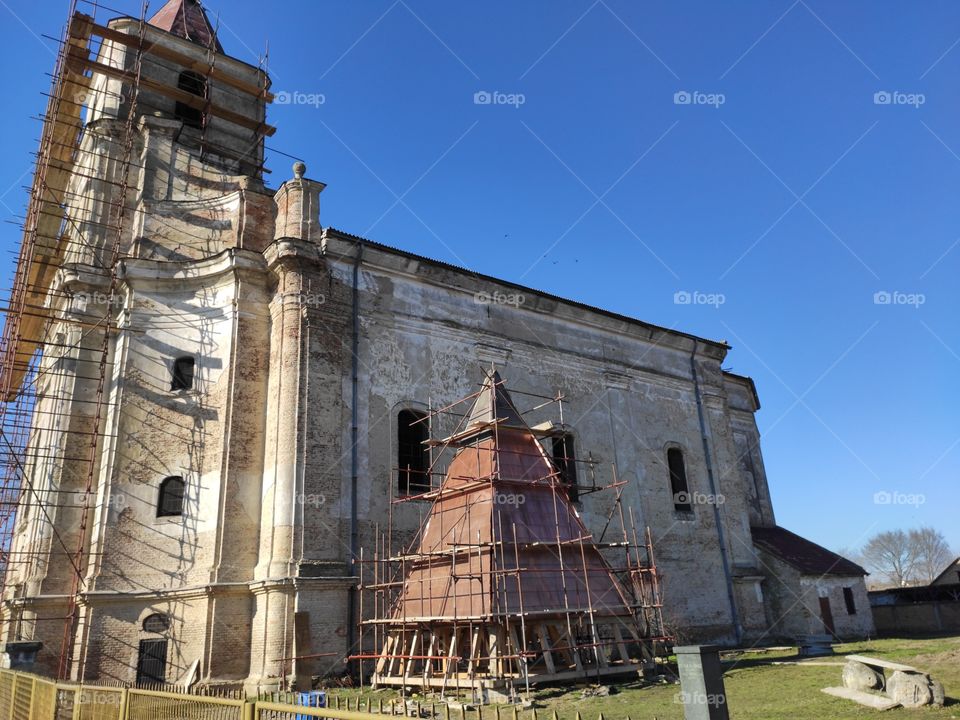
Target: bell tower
x: 140, y: 289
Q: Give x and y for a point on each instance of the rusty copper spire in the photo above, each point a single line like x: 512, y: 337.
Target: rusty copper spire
x: 187, y: 19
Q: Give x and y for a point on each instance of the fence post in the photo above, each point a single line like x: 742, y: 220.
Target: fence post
x: 124, y: 704
x: 33, y: 694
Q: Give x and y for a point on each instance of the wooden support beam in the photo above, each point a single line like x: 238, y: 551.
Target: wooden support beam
x: 161, y: 51
x: 78, y: 61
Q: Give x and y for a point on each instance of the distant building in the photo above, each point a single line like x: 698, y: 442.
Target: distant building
x: 950, y: 575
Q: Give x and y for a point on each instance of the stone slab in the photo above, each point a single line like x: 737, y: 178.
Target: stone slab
x: 877, y: 702
x: 875, y: 662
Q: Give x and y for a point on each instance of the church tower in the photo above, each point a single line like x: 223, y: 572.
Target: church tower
x: 132, y: 357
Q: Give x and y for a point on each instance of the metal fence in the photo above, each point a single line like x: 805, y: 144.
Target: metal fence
x: 30, y: 697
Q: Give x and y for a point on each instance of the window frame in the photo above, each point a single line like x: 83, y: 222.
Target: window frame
x: 849, y: 600
x: 179, y: 380
x: 195, y: 84
x: 566, y: 464
x: 679, y: 482
x: 163, y: 511
x: 418, y: 431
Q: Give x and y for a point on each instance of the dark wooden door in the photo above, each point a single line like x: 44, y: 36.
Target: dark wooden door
x: 826, y: 614
x: 152, y: 662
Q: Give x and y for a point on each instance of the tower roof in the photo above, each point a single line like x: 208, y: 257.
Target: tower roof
x: 494, y: 404
x: 187, y: 19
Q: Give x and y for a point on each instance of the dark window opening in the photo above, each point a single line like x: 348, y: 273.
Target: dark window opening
x: 565, y: 461
x: 413, y: 457
x: 170, y: 502
x: 678, y: 481
x: 195, y: 84
x: 156, y: 623
x: 182, y: 376
x: 848, y: 599
x: 152, y: 662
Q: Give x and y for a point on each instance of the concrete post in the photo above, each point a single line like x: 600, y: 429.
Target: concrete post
x: 701, y: 682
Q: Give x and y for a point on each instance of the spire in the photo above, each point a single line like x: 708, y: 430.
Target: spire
x: 187, y: 19
x: 494, y: 405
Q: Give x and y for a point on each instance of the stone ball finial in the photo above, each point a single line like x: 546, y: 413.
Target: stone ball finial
x: 299, y: 169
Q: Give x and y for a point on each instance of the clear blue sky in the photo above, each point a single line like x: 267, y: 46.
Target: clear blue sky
x: 796, y: 199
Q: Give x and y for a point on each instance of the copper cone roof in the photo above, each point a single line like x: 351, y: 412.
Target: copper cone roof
x: 499, y: 488
x: 187, y: 19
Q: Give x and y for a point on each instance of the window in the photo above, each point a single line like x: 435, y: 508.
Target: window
x: 848, y: 599
x: 170, y: 502
x: 565, y: 461
x: 156, y: 623
x: 413, y: 457
x: 195, y: 84
x: 152, y: 662
x: 678, y: 481
x: 182, y: 376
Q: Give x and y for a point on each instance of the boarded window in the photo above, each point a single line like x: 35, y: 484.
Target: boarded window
x: 195, y: 84
x: 413, y: 456
x: 156, y: 623
x: 152, y: 662
x: 182, y: 376
x: 678, y: 481
x: 170, y: 501
x: 565, y: 461
x: 848, y: 600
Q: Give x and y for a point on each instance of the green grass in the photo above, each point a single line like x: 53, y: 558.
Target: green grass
x: 757, y: 689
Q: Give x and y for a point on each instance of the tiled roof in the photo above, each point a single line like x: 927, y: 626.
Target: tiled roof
x: 807, y: 557
x: 187, y: 19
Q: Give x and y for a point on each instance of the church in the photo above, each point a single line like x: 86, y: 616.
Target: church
x: 223, y: 398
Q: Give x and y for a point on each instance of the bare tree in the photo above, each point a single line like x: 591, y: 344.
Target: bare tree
x: 891, y: 555
x: 931, y: 552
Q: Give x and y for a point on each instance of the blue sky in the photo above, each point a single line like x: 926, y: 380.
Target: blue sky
x: 815, y: 165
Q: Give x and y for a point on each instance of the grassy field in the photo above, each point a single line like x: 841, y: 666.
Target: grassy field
x: 758, y: 689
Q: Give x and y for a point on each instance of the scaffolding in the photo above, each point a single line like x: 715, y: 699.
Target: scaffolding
x: 503, y: 586
x: 98, y: 80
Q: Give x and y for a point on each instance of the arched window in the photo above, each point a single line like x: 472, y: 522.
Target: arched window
x: 170, y: 501
x: 181, y: 378
x: 413, y: 456
x: 195, y: 84
x: 678, y: 480
x: 566, y: 463
x: 156, y: 623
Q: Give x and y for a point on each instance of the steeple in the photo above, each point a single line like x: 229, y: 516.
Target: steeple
x: 494, y: 405
x: 187, y: 19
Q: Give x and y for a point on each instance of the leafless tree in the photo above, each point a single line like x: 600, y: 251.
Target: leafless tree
x: 891, y: 555
x: 913, y: 557
x: 932, y: 553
